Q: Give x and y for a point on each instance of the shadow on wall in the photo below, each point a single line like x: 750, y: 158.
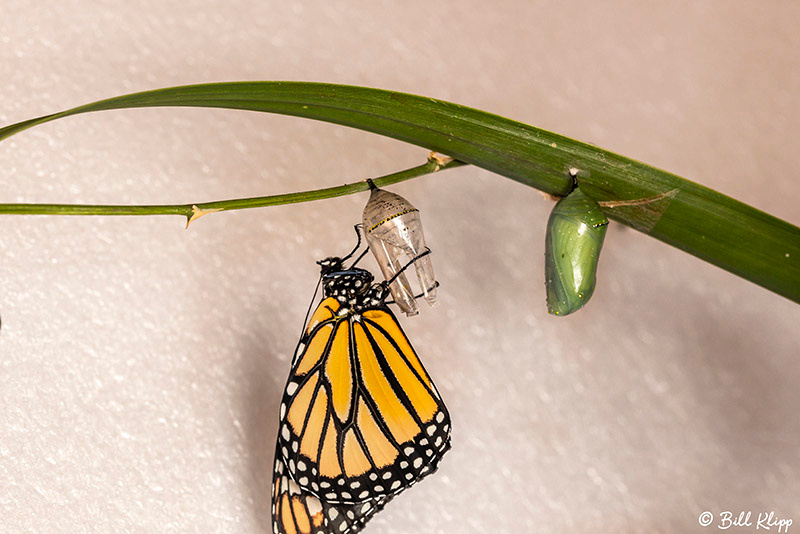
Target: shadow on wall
x: 264, y: 370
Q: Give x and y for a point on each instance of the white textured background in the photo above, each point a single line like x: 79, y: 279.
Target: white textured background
x: 141, y: 364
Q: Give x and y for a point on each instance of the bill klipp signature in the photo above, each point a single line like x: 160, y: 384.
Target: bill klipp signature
x: 768, y: 521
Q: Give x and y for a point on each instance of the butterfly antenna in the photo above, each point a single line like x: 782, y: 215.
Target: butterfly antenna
x: 407, y: 265
x: 310, y: 304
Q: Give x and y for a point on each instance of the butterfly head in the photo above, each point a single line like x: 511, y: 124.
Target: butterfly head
x: 330, y: 265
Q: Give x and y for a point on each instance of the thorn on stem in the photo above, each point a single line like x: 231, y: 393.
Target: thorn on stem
x: 198, y: 212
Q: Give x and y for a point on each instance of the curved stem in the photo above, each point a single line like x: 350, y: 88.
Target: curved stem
x: 715, y: 228
x: 195, y: 210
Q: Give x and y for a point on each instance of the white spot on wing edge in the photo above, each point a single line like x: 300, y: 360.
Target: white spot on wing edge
x: 314, y: 505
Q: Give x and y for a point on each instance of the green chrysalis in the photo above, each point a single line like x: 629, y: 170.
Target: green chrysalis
x: 575, y: 233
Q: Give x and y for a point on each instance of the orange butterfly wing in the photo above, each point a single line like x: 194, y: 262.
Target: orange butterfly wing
x: 360, y: 417
x: 295, y: 511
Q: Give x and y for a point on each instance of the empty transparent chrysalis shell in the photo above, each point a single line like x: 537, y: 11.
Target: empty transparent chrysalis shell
x: 575, y: 233
x: 394, y: 234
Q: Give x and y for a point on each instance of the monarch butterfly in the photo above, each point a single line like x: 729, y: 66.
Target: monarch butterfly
x: 575, y: 233
x: 360, y: 418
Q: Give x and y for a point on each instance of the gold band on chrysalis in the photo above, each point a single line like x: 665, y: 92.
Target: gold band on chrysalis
x: 371, y: 228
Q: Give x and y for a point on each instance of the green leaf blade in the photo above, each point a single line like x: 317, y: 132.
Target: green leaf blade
x: 712, y: 226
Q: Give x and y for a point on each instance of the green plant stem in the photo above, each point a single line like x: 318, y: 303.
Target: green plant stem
x: 716, y: 228
x: 192, y: 210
